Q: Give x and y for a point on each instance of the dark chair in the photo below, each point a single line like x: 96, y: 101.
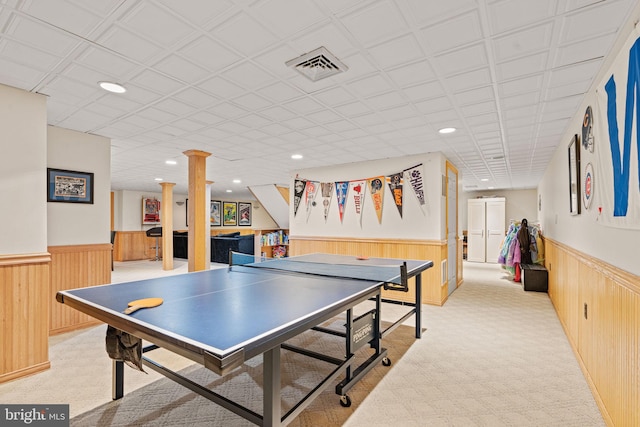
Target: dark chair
x: 113, y: 240
x: 157, y: 233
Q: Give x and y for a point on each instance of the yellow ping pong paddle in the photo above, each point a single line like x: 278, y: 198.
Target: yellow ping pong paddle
x: 142, y: 303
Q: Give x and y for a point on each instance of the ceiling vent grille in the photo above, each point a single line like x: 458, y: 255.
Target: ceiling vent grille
x: 317, y: 64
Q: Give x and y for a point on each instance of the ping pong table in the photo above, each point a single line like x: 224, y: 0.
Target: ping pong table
x: 222, y: 318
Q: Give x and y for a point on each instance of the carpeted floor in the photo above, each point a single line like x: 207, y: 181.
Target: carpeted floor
x: 493, y: 356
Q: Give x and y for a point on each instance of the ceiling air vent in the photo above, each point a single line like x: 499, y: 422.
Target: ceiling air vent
x: 317, y: 64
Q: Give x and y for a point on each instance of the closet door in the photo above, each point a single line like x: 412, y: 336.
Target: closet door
x: 495, y: 230
x: 476, y: 222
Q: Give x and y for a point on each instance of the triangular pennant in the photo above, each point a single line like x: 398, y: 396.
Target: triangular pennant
x: 358, y: 189
x: 310, y: 195
x: 342, y: 188
x: 326, y: 188
x: 414, y: 176
x: 376, y: 189
x: 395, y: 183
x: 298, y: 191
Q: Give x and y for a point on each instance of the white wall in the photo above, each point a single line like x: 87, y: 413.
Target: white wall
x: 583, y: 232
x: 519, y: 204
x: 79, y: 223
x: 128, y: 211
x: 23, y: 166
x: 415, y: 223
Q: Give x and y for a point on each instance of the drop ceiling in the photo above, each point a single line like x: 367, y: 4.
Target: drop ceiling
x: 211, y: 75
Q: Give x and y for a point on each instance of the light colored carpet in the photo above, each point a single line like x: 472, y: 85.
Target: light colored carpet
x: 493, y: 355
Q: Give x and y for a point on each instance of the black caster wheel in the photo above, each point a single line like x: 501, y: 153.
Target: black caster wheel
x: 345, y: 401
x: 386, y: 361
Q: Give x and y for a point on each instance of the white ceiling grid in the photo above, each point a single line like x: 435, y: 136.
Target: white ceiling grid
x: 212, y: 76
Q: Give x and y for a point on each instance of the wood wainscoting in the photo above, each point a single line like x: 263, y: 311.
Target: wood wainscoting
x: 75, y: 266
x: 434, y: 291
x: 599, y: 308
x: 24, y: 312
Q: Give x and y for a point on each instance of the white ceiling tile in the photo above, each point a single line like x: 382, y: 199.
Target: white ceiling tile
x: 523, y: 85
x: 453, y: 32
x: 42, y: 36
x: 279, y: 92
x: 253, y: 120
x: 18, y: 75
x: 100, y: 59
x: 474, y: 96
x: 584, y: 23
x: 523, y: 42
x: 156, y: 82
x: 287, y: 17
x: 375, y: 22
x: 252, y: 102
x: 196, y: 98
x: 428, y: 11
x: 198, y: 11
x: 424, y: 91
x: 330, y: 36
x: 27, y: 56
x: 571, y: 74
x: 353, y: 109
x: 507, y: 15
x: 461, y: 60
x: 397, y: 51
x: 247, y: 75
x: 128, y: 44
x: 155, y: 23
x: 370, y: 85
x: 433, y: 105
x: 521, y: 67
x: 479, y: 108
x: 470, y: 80
x: 221, y: 88
x: 412, y: 73
x: 583, y: 50
x: 244, y: 34
x: 334, y: 96
x: 303, y: 105
x: 175, y: 107
x: 227, y: 110
x: 385, y: 100
x: 209, y: 54
x: 180, y: 69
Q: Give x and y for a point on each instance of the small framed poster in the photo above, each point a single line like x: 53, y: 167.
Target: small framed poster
x: 214, y: 217
x: 244, y: 214
x: 229, y: 213
x: 69, y: 186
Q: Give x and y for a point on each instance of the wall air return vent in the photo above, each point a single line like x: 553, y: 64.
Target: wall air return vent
x: 317, y: 64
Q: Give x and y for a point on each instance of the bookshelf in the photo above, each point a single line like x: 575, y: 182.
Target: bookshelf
x: 272, y: 243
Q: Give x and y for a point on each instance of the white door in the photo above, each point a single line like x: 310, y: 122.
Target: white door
x: 495, y: 230
x: 476, y: 250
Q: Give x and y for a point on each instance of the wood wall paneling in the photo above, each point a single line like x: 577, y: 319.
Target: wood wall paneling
x: 76, y: 266
x: 432, y: 291
x: 24, y: 314
x: 606, y: 339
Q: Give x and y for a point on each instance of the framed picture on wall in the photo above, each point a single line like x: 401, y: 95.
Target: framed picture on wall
x: 244, y: 214
x: 214, y: 216
x: 150, y: 210
x: 574, y: 176
x: 229, y: 213
x: 69, y: 186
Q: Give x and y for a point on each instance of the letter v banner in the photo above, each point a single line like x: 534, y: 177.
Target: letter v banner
x: 617, y: 141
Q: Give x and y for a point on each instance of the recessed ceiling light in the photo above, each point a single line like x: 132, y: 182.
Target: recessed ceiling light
x: 229, y: 191
x: 296, y: 156
x: 112, y: 87
x: 447, y: 130
x: 171, y: 162
x: 158, y: 179
x: 484, y: 179
x: 491, y: 188
x: 237, y: 181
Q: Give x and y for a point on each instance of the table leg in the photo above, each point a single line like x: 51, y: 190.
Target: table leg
x: 271, y: 393
x: 419, y: 305
x: 117, y: 378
